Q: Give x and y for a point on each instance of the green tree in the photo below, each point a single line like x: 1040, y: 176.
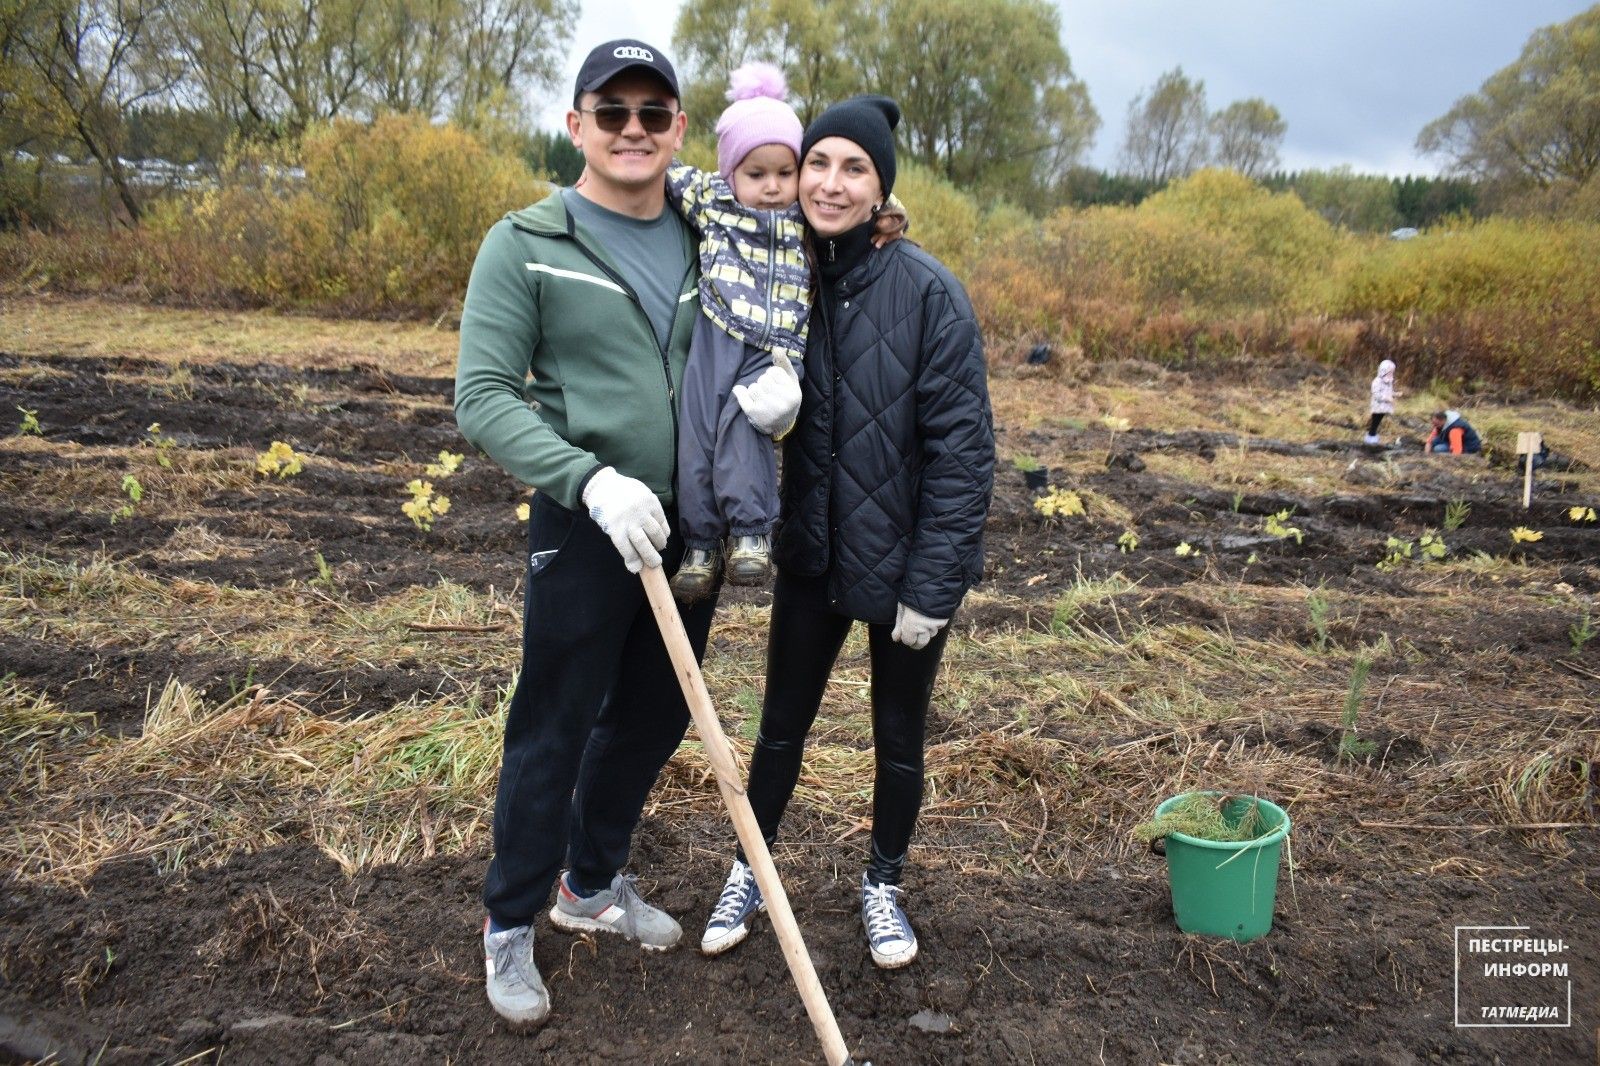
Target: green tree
x: 1361, y: 202
x: 1422, y: 201
x: 1534, y: 122
x: 1167, y: 129
x: 552, y: 154
x: 713, y: 38
x: 283, y: 64
x: 1246, y: 136
x: 509, y: 48
x: 985, y: 87
x: 91, y: 62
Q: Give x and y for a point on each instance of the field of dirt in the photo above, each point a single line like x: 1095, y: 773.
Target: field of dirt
x: 249, y: 734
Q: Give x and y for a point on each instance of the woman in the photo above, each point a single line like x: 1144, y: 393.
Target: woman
x: 886, y: 486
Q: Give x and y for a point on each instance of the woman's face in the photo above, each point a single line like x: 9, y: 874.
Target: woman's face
x: 839, y: 186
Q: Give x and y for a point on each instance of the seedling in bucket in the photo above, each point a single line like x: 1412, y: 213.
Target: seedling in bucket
x: 1222, y: 861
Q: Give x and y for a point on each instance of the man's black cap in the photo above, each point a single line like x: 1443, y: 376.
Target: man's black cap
x: 612, y: 58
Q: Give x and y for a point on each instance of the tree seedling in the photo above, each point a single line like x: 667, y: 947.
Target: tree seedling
x: 1455, y: 515
x: 1350, y: 747
x: 1277, y: 525
x: 1320, y: 607
x: 161, y: 443
x: 29, y: 426
x: 1062, y: 503
x: 135, y: 492
x: 324, y: 572
x: 280, y: 460
x: 1581, y: 514
x: 424, y: 505
x: 449, y: 463
x: 1524, y: 535
x: 1581, y: 632
x: 1128, y: 541
x: 1199, y: 815
x: 1396, y: 553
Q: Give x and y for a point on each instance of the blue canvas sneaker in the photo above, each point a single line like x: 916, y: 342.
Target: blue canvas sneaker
x: 888, y: 930
x: 730, y: 919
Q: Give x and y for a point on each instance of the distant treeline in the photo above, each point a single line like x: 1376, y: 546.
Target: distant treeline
x: 1364, y: 203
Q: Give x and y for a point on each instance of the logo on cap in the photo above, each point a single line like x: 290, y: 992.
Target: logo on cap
x: 629, y: 51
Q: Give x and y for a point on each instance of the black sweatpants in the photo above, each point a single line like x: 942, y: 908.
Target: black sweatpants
x: 1374, y: 422
x: 727, y: 469
x: 802, y: 645
x: 596, y: 713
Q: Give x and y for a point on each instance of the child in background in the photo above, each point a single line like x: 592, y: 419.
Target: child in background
x: 1382, y: 400
x: 755, y: 299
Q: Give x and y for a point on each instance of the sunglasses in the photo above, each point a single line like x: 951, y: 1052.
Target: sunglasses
x: 613, y: 118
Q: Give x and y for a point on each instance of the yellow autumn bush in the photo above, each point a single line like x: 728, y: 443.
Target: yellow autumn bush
x: 378, y: 218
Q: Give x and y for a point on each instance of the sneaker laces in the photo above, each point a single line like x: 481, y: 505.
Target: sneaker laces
x: 509, y: 952
x: 883, y: 919
x: 735, y: 896
x: 631, y: 902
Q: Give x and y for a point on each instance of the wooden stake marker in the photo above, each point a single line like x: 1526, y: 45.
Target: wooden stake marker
x: 1528, y: 444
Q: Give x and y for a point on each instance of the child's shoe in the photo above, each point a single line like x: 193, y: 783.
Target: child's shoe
x: 1373, y: 438
x: 699, y: 574
x: 750, y: 561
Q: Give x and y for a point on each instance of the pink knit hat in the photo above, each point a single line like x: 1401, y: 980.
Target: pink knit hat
x: 757, y: 116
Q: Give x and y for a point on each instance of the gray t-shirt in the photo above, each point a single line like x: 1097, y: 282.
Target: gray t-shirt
x: 652, y: 255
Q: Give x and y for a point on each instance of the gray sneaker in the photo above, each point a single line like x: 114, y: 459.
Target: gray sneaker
x: 516, y: 992
x: 617, y: 909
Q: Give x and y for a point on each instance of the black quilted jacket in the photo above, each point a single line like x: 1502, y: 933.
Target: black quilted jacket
x: 888, y: 473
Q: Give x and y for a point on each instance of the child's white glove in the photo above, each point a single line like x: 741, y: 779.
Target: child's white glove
x: 772, y: 401
x: 628, y: 512
x: 913, y: 629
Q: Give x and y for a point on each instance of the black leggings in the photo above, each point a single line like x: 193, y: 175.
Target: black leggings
x: 802, y: 644
x: 1372, y: 424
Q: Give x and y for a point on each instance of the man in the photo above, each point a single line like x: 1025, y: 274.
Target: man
x: 1452, y: 434
x: 592, y: 291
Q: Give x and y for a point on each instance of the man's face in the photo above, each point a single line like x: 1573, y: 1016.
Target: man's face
x: 630, y: 158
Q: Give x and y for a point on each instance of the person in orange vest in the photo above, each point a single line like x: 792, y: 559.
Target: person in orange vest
x: 1453, y: 434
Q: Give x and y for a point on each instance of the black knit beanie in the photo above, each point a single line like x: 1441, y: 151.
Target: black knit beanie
x: 869, y: 121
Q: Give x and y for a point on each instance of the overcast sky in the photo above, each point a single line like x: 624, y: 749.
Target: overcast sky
x: 1355, y: 79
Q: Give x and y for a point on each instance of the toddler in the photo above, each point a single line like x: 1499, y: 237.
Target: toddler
x: 755, y: 301
x: 1382, y: 400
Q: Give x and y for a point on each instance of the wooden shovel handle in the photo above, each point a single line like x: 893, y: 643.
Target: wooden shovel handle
x: 729, y: 777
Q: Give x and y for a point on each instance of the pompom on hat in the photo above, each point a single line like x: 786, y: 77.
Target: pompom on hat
x: 869, y: 121
x: 757, y: 116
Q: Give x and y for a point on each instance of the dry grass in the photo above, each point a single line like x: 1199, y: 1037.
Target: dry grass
x: 61, y: 326
x: 1059, y: 721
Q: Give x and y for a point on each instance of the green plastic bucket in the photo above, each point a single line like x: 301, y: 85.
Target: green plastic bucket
x: 1216, y: 890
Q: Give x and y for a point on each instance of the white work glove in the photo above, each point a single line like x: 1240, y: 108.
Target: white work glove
x: 913, y: 629
x: 628, y: 512
x: 772, y: 401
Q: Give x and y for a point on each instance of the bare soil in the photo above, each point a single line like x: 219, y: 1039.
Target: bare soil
x: 277, y: 956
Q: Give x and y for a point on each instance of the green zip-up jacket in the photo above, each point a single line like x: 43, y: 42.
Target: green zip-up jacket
x: 544, y: 300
